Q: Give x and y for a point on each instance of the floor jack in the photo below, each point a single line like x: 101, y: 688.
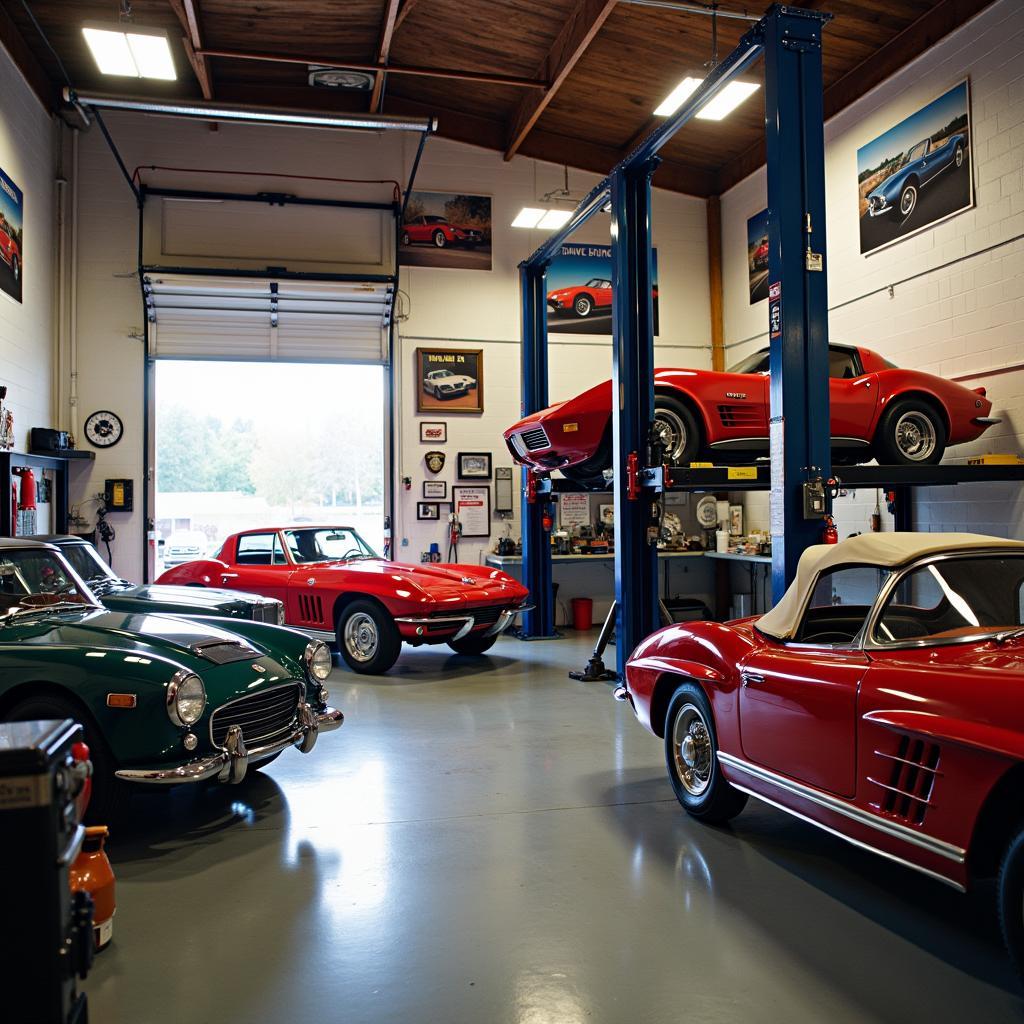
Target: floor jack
x: 596, y: 672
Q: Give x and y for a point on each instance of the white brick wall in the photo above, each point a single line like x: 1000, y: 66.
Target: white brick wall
x: 965, y: 320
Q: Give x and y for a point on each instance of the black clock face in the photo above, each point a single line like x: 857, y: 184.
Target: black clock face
x: 103, y: 429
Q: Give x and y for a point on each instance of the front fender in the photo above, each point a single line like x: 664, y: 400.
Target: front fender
x: 205, y: 572
x: 982, y: 736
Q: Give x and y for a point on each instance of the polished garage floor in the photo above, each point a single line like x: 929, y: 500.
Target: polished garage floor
x: 496, y: 843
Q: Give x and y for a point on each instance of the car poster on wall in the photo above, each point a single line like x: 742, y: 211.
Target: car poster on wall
x: 449, y: 380
x: 579, y: 282
x: 446, y: 229
x: 757, y: 255
x: 12, y: 205
x: 917, y: 173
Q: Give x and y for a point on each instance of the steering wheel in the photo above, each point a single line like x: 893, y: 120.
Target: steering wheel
x: 351, y: 551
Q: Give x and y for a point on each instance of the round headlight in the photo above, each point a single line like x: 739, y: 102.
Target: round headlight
x: 186, y: 698
x: 318, y: 660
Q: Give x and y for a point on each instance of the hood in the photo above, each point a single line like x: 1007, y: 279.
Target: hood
x: 202, y: 599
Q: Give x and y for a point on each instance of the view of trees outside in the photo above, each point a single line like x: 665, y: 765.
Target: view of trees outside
x: 242, y: 445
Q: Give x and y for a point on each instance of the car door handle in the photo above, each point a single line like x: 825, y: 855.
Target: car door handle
x: 225, y: 576
x: 752, y: 677
x: 864, y: 380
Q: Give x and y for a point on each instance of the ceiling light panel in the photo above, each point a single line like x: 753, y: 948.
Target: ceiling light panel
x: 130, y: 51
x: 722, y: 104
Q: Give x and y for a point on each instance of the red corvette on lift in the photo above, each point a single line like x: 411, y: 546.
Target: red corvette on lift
x: 334, y: 586
x: 880, y: 699
x: 878, y: 411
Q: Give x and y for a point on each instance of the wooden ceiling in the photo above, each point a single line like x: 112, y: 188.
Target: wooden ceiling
x: 570, y: 81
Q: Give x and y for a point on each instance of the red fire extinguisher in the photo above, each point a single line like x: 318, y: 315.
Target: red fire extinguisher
x: 24, y: 509
x: 830, y: 535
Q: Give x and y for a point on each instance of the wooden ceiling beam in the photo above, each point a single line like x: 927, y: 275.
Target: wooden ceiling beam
x: 934, y: 25
x: 576, y: 35
x: 185, y: 11
x: 404, y: 13
x: 387, y: 30
x: 22, y: 55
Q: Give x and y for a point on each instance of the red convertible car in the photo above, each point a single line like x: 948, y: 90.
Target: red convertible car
x: 878, y: 411
x: 437, y: 231
x: 881, y: 700
x: 335, y: 587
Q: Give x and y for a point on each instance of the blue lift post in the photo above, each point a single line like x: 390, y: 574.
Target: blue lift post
x: 798, y: 300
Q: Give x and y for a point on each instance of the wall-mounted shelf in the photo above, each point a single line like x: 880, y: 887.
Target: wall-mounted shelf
x: 53, y: 461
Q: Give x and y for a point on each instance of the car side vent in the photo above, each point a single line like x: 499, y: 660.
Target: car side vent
x: 535, y: 438
x: 910, y: 774
x: 739, y: 415
x: 311, y: 608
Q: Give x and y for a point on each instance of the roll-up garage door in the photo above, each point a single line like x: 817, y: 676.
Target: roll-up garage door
x: 246, y: 318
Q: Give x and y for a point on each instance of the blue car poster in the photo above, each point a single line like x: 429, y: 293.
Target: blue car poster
x: 579, y: 290
x: 917, y: 173
x: 12, y: 264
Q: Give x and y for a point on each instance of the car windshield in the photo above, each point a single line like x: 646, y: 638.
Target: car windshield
x: 34, y: 579
x: 918, y: 151
x: 436, y: 220
x: 955, y: 597
x: 756, y: 362
x: 442, y: 373
x: 86, y: 561
x: 326, y: 544
x: 595, y: 282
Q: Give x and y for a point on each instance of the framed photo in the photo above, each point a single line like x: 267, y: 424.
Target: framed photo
x: 433, y: 433
x: 12, y: 237
x: 447, y: 229
x: 917, y: 173
x: 757, y: 256
x: 428, y: 510
x: 449, y: 380
x: 436, y: 489
x: 474, y: 465
x: 473, y: 507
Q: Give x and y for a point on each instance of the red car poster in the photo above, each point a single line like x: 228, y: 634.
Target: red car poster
x: 442, y: 229
x: 757, y: 256
x: 12, y: 204
x: 579, y: 283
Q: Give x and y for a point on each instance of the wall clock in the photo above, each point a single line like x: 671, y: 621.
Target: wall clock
x: 104, y: 429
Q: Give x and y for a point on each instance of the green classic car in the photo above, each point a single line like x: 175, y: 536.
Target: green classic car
x: 163, y: 699
x: 123, y: 596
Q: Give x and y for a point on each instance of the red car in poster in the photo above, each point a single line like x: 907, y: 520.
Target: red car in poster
x: 582, y: 299
x: 878, y: 411
x: 9, y: 251
x: 760, y: 257
x: 335, y: 587
x: 437, y: 231
x: 881, y: 700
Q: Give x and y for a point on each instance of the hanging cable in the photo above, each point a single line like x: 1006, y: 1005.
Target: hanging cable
x: 49, y: 45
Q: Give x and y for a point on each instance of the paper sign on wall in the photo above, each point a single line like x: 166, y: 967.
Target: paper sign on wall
x: 573, y: 511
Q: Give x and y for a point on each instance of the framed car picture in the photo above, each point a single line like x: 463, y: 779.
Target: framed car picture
x: 433, y: 433
x: 449, y: 380
x: 435, y: 489
x: 473, y: 507
x: 474, y: 465
x: 446, y: 229
x: 428, y: 510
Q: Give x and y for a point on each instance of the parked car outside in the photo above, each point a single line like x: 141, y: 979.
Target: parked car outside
x: 184, y: 545
x: 880, y: 699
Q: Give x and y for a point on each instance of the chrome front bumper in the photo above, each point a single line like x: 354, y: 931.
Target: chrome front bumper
x: 877, y: 211
x: 232, y: 761
x: 502, y: 623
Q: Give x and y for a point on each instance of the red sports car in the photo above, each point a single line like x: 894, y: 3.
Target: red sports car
x: 881, y: 700
x: 9, y: 251
x: 335, y: 587
x: 878, y: 411
x: 437, y: 231
x: 760, y: 257
x: 582, y: 299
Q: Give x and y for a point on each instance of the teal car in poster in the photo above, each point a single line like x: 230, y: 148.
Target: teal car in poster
x: 163, y: 699
x: 124, y: 596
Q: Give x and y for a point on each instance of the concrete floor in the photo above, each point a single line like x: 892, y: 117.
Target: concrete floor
x: 492, y: 843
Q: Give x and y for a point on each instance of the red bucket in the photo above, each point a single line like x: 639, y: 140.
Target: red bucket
x: 582, y: 613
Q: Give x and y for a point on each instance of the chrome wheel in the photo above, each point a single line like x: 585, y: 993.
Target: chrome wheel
x: 361, y: 636
x: 670, y: 429
x: 915, y: 436
x: 959, y: 156
x: 908, y: 200
x: 583, y: 306
x: 694, y: 756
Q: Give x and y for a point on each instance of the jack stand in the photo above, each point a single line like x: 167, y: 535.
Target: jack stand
x: 596, y: 671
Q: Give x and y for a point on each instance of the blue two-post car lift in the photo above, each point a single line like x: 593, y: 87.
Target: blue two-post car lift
x: 789, y: 38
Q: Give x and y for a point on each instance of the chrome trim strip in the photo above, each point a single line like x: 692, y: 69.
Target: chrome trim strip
x: 741, y: 442
x: 907, y: 761
x: 893, y: 829
x: 470, y: 623
x: 900, y: 792
x: 502, y: 623
x: 422, y: 620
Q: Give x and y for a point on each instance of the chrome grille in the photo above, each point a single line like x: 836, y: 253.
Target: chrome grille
x: 263, y: 717
x: 486, y: 616
x: 268, y: 611
x: 535, y: 438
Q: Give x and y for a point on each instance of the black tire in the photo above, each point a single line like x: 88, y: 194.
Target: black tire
x: 473, y: 644
x: 907, y: 201
x: 110, y: 796
x: 583, y: 306
x: 911, y: 433
x: 437, y: 394
x: 368, y: 638
x: 405, y: 238
x: 680, y: 428
x: 439, y: 240
x: 1010, y: 899
x: 700, y: 786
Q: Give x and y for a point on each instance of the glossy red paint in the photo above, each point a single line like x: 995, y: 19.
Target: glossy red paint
x: 314, y: 593
x: 582, y: 299
x: 731, y: 411
x: 761, y: 255
x: 438, y: 231
x: 9, y: 251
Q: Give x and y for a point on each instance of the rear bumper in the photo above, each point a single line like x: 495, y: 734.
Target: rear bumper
x: 232, y: 761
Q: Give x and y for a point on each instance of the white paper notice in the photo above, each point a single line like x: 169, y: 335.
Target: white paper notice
x: 776, y: 504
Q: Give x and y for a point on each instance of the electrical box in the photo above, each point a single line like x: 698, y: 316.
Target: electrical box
x: 118, y: 496
x: 815, y: 502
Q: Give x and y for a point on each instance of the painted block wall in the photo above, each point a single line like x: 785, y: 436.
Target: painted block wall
x: 963, y: 320
x: 27, y: 155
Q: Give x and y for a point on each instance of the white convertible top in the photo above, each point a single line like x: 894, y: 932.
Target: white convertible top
x: 886, y: 550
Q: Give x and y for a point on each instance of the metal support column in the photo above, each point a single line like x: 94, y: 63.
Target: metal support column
x: 798, y: 301
x: 636, y: 557
x: 539, y: 623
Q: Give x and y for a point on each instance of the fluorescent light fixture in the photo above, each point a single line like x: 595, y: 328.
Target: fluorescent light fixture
x: 715, y: 109
x: 528, y: 217
x: 554, y: 219
x: 130, y: 50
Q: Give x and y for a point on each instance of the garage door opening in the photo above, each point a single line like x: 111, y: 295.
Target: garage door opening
x: 249, y: 444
